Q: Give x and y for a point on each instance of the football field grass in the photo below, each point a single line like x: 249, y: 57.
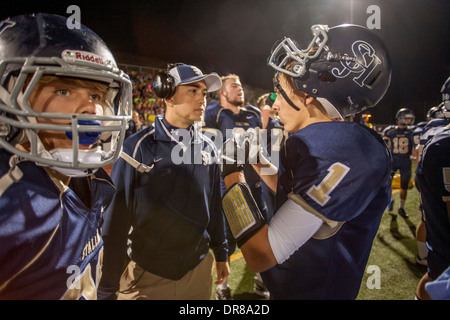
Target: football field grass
x: 391, y: 272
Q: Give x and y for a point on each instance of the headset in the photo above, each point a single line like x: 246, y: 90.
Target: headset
x: 164, y: 83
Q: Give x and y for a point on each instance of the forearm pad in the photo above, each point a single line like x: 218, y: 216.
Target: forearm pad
x: 242, y: 213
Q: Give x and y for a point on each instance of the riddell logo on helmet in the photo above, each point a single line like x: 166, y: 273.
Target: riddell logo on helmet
x: 88, y: 57
x: 72, y: 55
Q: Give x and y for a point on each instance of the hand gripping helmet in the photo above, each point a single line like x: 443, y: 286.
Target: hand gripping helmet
x: 347, y: 67
x: 37, y: 45
x: 405, y: 116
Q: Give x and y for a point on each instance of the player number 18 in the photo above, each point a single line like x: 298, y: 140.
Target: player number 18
x: 401, y: 145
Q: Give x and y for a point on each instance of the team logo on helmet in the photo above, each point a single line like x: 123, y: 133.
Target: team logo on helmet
x: 5, y: 25
x: 364, y: 63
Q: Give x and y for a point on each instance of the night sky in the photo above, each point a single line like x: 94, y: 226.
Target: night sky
x: 236, y: 36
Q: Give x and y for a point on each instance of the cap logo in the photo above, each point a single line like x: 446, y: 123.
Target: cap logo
x: 76, y: 55
x: 196, y: 70
x: 364, y: 63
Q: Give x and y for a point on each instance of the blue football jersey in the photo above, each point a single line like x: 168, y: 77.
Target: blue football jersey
x: 433, y: 180
x: 399, y: 140
x: 417, y: 132
x: 51, y: 244
x: 275, y: 129
x: 342, y: 172
x: 432, y: 128
x: 225, y: 121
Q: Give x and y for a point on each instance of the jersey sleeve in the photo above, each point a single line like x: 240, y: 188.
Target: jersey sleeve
x: 216, y: 227
x: 117, y: 222
x: 385, y: 135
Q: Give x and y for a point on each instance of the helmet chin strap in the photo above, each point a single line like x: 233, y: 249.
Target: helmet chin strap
x: 277, y: 85
x: 329, y: 108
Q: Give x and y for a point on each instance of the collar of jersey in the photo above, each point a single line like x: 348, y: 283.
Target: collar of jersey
x: 162, y: 133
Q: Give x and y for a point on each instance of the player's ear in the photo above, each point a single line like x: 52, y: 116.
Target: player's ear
x: 309, y: 99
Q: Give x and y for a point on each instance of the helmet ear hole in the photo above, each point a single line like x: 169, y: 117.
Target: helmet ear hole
x: 373, y: 80
x: 326, y: 76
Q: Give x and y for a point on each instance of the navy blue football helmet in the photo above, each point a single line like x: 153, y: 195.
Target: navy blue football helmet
x: 445, y: 90
x: 405, y: 116
x: 347, y: 67
x: 436, y: 112
x: 36, y: 45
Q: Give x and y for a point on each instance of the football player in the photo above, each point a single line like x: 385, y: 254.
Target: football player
x: 439, y: 289
x: 334, y: 180
x: 438, y: 119
x: 272, y: 127
x: 64, y: 108
x: 400, y: 141
x: 433, y: 180
x: 232, y: 115
x: 270, y: 122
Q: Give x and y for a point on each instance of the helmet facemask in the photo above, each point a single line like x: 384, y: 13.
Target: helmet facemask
x: 286, y: 50
x: 19, y: 119
x: 405, y: 117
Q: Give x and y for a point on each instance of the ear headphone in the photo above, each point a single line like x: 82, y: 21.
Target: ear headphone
x: 164, y: 83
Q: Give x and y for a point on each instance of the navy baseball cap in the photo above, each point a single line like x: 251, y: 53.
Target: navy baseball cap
x: 185, y: 74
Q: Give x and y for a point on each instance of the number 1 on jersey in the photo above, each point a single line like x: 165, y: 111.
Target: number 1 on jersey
x: 321, y: 193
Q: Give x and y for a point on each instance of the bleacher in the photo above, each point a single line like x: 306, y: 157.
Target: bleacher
x: 147, y: 105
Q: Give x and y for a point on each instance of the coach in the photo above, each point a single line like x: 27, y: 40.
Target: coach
x: 167, y: 205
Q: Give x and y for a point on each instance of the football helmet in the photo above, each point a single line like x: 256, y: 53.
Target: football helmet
x: 347, y: 67
x: 436, y: 112
x: 37, y: 45
x: 445, y: 90
x: 405, y: 116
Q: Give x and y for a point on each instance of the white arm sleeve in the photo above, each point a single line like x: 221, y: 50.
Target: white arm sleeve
x: 290, y: 228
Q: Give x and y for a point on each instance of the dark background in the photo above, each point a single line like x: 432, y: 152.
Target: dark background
x: 235, y: 36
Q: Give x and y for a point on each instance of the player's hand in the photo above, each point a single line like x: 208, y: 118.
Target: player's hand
x: 255, y: 147
x: 241, y: 149
x: 234, y: 154
x: 222, y: 272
